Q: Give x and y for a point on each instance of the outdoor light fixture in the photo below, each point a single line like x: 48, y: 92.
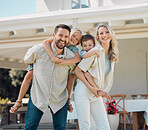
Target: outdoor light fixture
x: 40, y: 30
x: 12, y: 33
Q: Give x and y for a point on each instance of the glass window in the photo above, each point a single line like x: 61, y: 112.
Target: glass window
x: 77, y: 4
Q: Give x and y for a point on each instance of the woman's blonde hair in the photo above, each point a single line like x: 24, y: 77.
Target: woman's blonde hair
x: 76, y: 30
x: 113, y: 50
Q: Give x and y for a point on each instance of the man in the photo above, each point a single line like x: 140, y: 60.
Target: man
x: 49, y: 81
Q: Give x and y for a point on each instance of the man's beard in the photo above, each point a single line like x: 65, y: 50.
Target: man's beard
x: 58, y: 44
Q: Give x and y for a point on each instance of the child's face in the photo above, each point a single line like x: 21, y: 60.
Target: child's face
x: 87, y: 45
x: 75, y: 38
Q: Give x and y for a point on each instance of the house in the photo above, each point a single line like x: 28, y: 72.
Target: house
x: 128, y: 19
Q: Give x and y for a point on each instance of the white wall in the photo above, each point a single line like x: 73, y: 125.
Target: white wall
x: 121, y: 2
x: 130, y: 71
x: 52, y: 5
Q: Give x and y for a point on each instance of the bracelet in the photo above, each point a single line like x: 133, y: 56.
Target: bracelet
x: 69, y: 98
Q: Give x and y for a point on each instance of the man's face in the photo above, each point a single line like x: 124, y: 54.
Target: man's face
x: 61, y: 38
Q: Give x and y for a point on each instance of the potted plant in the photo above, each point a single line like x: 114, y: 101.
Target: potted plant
x: 3, y: 101
x: 113, y: 115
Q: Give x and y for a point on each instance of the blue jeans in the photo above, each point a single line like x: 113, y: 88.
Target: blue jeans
x: 33, y: 117
x: 60, y: 118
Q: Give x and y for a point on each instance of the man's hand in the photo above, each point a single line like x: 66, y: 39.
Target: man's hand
x: 70, y: 108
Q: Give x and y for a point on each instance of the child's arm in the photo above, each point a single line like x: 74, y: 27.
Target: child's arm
x: 46, y: 45
x: 75, y: 59
x: 91, y: 53
x: 90, y: 79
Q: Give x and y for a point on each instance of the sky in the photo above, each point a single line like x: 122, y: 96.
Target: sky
x: 17, y: 7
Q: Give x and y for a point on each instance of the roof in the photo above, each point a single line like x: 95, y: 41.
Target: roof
x: 19, y: 33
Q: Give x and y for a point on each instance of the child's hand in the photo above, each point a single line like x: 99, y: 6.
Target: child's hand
x: 97, y: 52
x: 56, y: 60
x: 63, y: 61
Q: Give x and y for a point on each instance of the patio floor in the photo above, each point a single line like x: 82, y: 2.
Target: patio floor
x: 45, y: 127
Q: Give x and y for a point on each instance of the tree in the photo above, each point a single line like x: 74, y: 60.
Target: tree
x: 10, y: 82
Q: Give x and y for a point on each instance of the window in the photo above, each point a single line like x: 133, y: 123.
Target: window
x: 77, y: 4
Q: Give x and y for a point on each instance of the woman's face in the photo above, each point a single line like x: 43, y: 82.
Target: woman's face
x: 75, y: 38
x: 104, y: 35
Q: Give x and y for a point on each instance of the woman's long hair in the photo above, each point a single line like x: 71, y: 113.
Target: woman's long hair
x: 113, y: 50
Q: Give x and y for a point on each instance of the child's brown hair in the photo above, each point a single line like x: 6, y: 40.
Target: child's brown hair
x: 86, y: 38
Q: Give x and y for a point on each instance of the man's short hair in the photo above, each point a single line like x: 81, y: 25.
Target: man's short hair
x: 62, y: 26
x: 86, y: 38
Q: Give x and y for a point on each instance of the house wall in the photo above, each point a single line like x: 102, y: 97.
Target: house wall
x: 130, y: 71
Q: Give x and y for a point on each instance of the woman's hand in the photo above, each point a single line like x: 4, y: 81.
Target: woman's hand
x: 104, y: 94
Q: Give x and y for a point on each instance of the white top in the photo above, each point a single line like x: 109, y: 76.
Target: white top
x: 49, y: 79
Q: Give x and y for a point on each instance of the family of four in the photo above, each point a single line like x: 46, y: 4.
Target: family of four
x: 52, y: 66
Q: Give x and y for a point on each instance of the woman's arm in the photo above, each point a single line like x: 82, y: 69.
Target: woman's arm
x: 75, y: 59
x: 46, y: 45
x: 91, y: 53
x: 81, y: 76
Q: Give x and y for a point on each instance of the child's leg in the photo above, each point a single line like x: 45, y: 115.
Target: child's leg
x: 90, y: 79
x: 25, y: 85
x: 70, y: 83
x: 23, y: 90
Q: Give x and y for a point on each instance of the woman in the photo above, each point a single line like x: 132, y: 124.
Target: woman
x: 88, y: 102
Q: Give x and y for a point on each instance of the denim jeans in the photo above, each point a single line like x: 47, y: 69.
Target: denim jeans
x: 33, y: 117
x: 60, y: 118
